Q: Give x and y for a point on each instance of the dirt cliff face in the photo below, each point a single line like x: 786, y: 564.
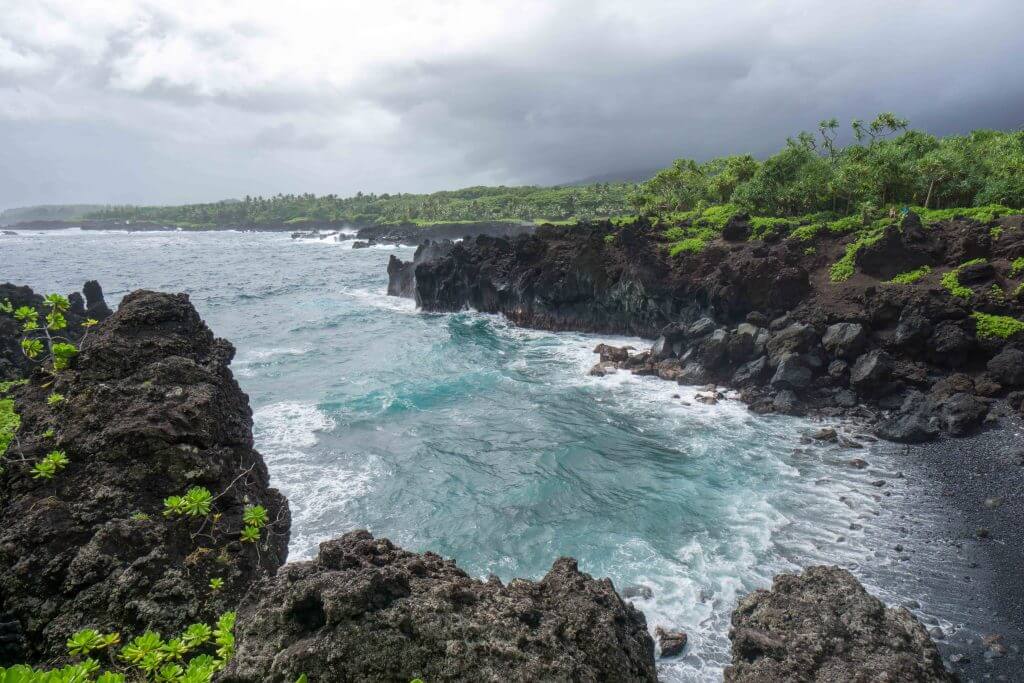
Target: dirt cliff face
x: 367, y: 610
x: 823, y: 626
x: 150, y: 410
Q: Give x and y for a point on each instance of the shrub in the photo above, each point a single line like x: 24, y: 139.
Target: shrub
x: 996, y: 326
x: 911, y: 276
x: 842, y: 270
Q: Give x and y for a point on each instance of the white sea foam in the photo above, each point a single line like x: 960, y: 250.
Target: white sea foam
x: 379, y: 299
x: 282, y: 428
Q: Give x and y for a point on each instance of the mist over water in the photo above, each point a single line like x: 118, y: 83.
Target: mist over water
x: 464, y: 435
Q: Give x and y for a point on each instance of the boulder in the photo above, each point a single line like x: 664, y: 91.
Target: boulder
x: 368, y: 610
x: 845, y: 340
x: 751, y: 374
x: 787, y: 403
x: 150, y: 411
x: 796, y: 338
x: 962, y: 413
x: 871, y: 371
x: 1007, y: 367
x: 912, y: 331
x: 791, y: 373
x: 949, y: 345
x: 700, y: 328
x: 823, y: 626
x: 602, y: 369
x: 908, y: 427
x: 613, y: 354
x: 670, y: 641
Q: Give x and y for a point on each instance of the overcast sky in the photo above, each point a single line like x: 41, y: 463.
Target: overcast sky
x: 181, y: 101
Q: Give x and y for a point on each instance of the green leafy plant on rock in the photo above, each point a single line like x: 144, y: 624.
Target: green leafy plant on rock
x: 951, y: 280
x: 147, y: 657
x: 1017, y: 267
x: 990, y: 326
x: 911, y: 276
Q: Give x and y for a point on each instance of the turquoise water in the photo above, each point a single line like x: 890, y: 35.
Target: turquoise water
x: 464, y: 435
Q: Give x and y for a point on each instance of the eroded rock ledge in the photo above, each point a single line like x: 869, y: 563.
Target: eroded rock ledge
x: 823, y: 626
x: 367, y: 610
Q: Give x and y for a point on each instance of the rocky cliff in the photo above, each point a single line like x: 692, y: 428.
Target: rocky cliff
x: 150, y: 410
x: 919, y: 357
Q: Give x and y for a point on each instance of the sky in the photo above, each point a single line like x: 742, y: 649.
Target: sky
x: 145, y: 102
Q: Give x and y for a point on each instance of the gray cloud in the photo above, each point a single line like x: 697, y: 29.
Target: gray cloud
x: 169, y: 105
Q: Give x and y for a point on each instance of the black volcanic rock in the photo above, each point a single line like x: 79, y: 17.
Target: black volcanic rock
x: 150, y: 410
x: 402, y: 274
x: 366, y: 610
x: 823, y: 626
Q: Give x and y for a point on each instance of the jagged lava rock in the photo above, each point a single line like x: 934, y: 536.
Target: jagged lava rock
x: 823, y: 626
x: 367, y: 610
x: 151, y: 409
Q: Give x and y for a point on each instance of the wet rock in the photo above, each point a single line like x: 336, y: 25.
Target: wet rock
x: 151, y: 410
x: 845, y: 340
x: 1007, y: 367
x: 858, y: 463
x: 602, y: 369
x: 871, y: 371
x: 823, y: 626
x: 962, y: 413
x: 912, y: 427
x: 757, y: 319
x: 639, y: 591
x: 845, y: 398
x: 937, y: 633
x: 368, y: 610
x: 613, y: 354
x: 752, y: 373
x: 787, y: 403
x: 825, y: 434
x: 671, y: 642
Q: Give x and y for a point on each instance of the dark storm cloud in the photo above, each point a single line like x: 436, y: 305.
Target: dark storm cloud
x: 174, y: 105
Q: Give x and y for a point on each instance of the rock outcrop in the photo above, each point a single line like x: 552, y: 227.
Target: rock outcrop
x: 765, y: 316
x: 150, y: 410
x: 367, y: 610
x: 402, y: 274
x: 13, y: 363
x: 823, y: 626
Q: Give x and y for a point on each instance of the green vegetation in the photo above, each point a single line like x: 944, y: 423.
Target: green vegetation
x: 911, y: 276
x: 886, y: 165
x: 996, y: 326
x: 842, y: 270
x: 195, y: 503
x: 543, y: 204
x: 951, y: 280
x: 145, y: 658
x: 1017, y: 267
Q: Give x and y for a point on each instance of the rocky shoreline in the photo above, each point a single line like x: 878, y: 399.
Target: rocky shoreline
x: 764, y: 318
x: 152, y: 409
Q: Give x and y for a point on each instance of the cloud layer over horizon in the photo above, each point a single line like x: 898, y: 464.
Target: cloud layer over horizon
x: 138, y: 101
